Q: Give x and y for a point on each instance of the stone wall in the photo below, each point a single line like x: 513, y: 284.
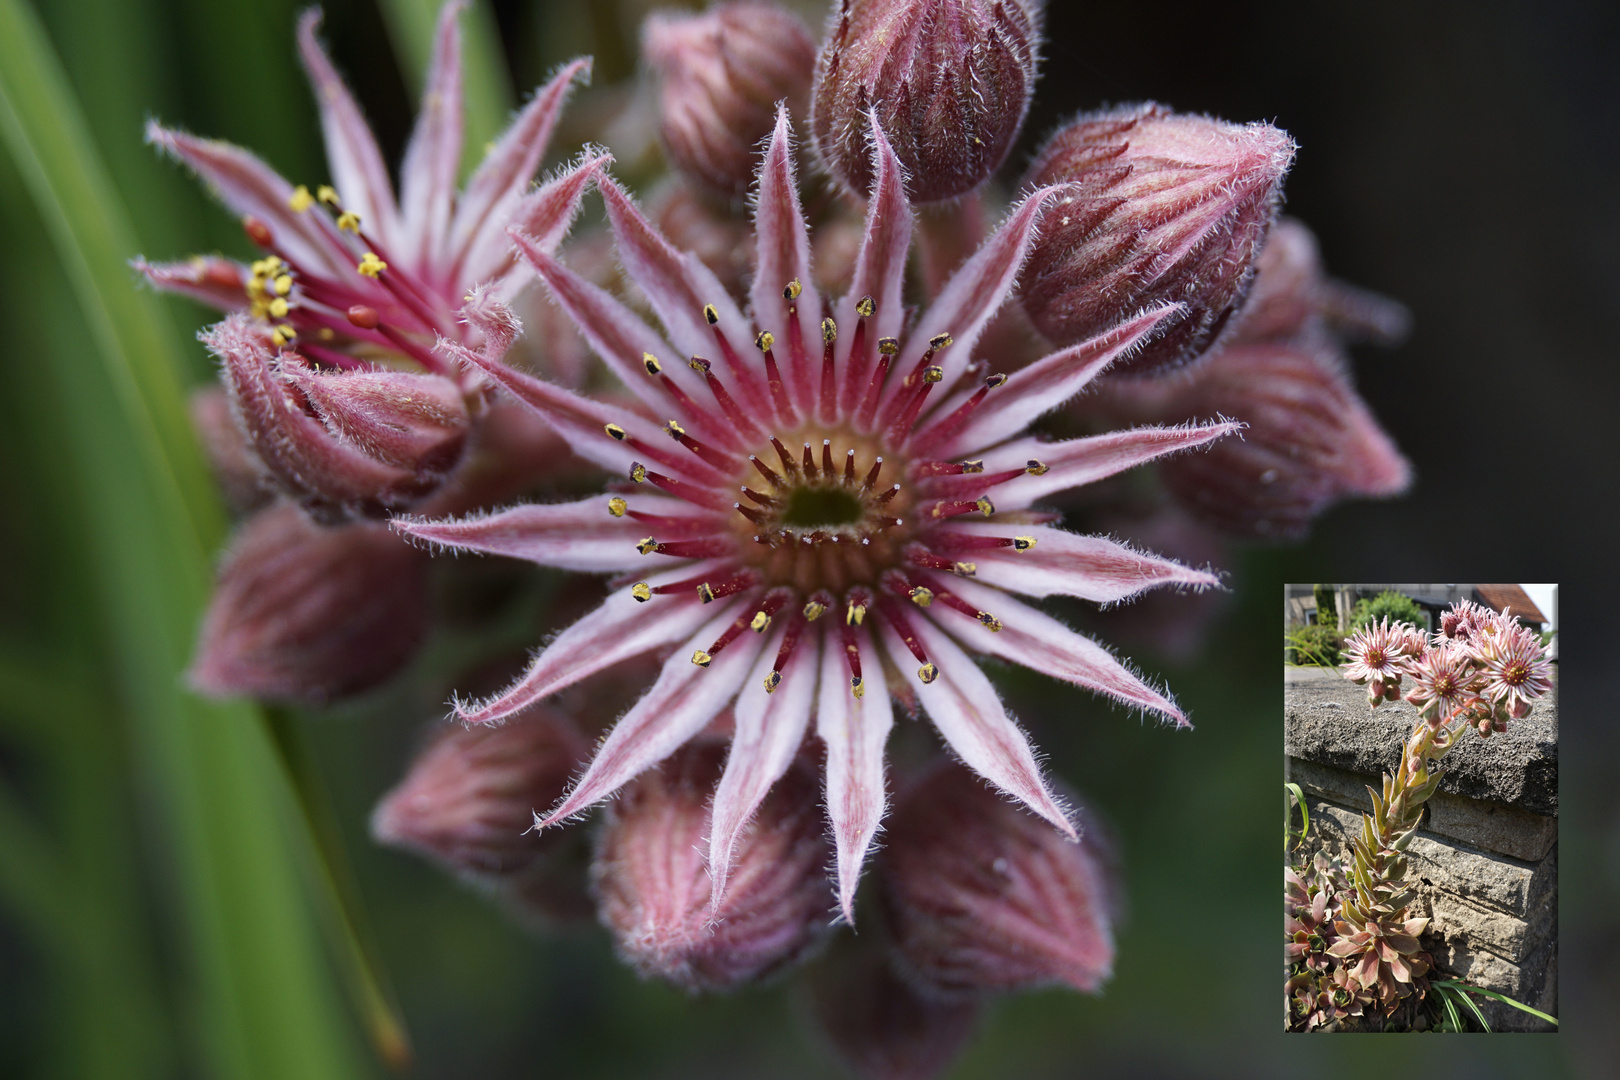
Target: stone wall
x: 1485, y: 861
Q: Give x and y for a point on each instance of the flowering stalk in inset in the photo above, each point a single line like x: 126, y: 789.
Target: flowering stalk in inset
x: 1352, y: 935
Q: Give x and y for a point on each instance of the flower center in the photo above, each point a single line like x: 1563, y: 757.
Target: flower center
x: 821, y: 508
x: 1516, y: 674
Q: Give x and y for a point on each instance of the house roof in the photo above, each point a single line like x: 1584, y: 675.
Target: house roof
x: 1513, y: 598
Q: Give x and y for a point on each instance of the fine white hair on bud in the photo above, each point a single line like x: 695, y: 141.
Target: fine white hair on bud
x: 721, y: 74
x: 1163, y: 208
x: 949, y: 80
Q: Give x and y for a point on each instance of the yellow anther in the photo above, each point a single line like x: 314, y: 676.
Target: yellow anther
x: 888, y: 346
x: 283, y: 284
x: 991, y: 623
x: 772, y: 681
x: 280, y: 335
x: 765, y: 340
x: 1023, y: 543
x: 614, y: 431
x: 1037, y: 468
x: 864, y: 307
x: 653, y: 366
x: 855, y: 615
x: 370, y: 266
x: 705, y: 593
x: 933, y: 373
x: 701, y: 658
x: 638, y: 472
x: 349, y: 221
x: 278, y: 308
x: 940, y: 341
x: 857, y: 687
x: 793, y: 290
x: 675, y: 430
x: 965, y: 569
x: 974, y: 466
x: 760, y: 623
x: 986, y: 507
x: 928, y: 672
x: 697, y: 363
x: 711, y: 313
x: 266, y: 266
x: 328, y: 195
x: 326, y: 333
x: 922, y: 597
x: 641, y: 591
x: 829, y: 331
x: 814, y: 611
x: 300, y: 200
x: 995, y: 380
x: 617, y: 506
x: 647, y: 546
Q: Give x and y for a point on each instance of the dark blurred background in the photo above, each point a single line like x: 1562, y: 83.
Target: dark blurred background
x: 1460, y: 157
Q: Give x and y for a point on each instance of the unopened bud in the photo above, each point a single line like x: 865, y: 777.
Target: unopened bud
x: 308, y: 613
x: 721, y: 241
x: 469, y: 799
x: 343, y: 440
x: 241, y: 477
x: 722, y: 73
x: 981, y: 895
x: 1292, y: 299
x: 878, y: 1023
x: 950, y: 81
x: 1164, y: 208
x: 411, y: 421
x: 1309, y: 439
x: 653, y: 887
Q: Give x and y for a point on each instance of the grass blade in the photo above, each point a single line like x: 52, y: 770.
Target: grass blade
x: 1468, y: 988
x: 264, y: 1002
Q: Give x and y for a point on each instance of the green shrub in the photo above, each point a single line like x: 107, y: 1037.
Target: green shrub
x: 1327, y: 612
x: 1387, y: 604
x: 1315, y: 644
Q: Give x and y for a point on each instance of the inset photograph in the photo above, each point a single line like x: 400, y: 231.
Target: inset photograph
x: 1420, y: 882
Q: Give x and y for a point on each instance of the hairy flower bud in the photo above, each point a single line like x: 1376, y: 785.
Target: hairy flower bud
x: 347, y: 439
x: 469, y: 799
x: 1164, y: 208
x: 1292, y: 299
x: 949, y: 80
x: 721, y: 74
x: 653, y: 887
x: 1310, y: 440
x: 981, y: 895
x: 243, y: 480
x: 306, y: 613
x: 879, y: 1024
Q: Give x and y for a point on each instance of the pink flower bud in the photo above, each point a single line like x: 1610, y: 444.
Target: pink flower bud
x: 1292, y: 299
x: 243, y: 480
x: 982, y: 895
x: 721, y: 74
x: 306, y: 613
x: 653, y: 887
x: 346, y: 439
x: 721, y: 241
x: 1310, y: 440
x: 949, y: 80
x: 469, y: 799
x: 1165, y: 208
x: 880, y: 1025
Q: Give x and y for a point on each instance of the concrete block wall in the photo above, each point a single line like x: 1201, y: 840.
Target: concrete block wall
x: 1485, y: 861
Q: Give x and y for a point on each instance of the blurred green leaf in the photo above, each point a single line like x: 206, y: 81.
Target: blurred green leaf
x: 488, y: 84
x: 264, y: 1003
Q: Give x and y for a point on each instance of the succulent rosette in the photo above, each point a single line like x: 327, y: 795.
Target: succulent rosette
x: 828, y: 509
